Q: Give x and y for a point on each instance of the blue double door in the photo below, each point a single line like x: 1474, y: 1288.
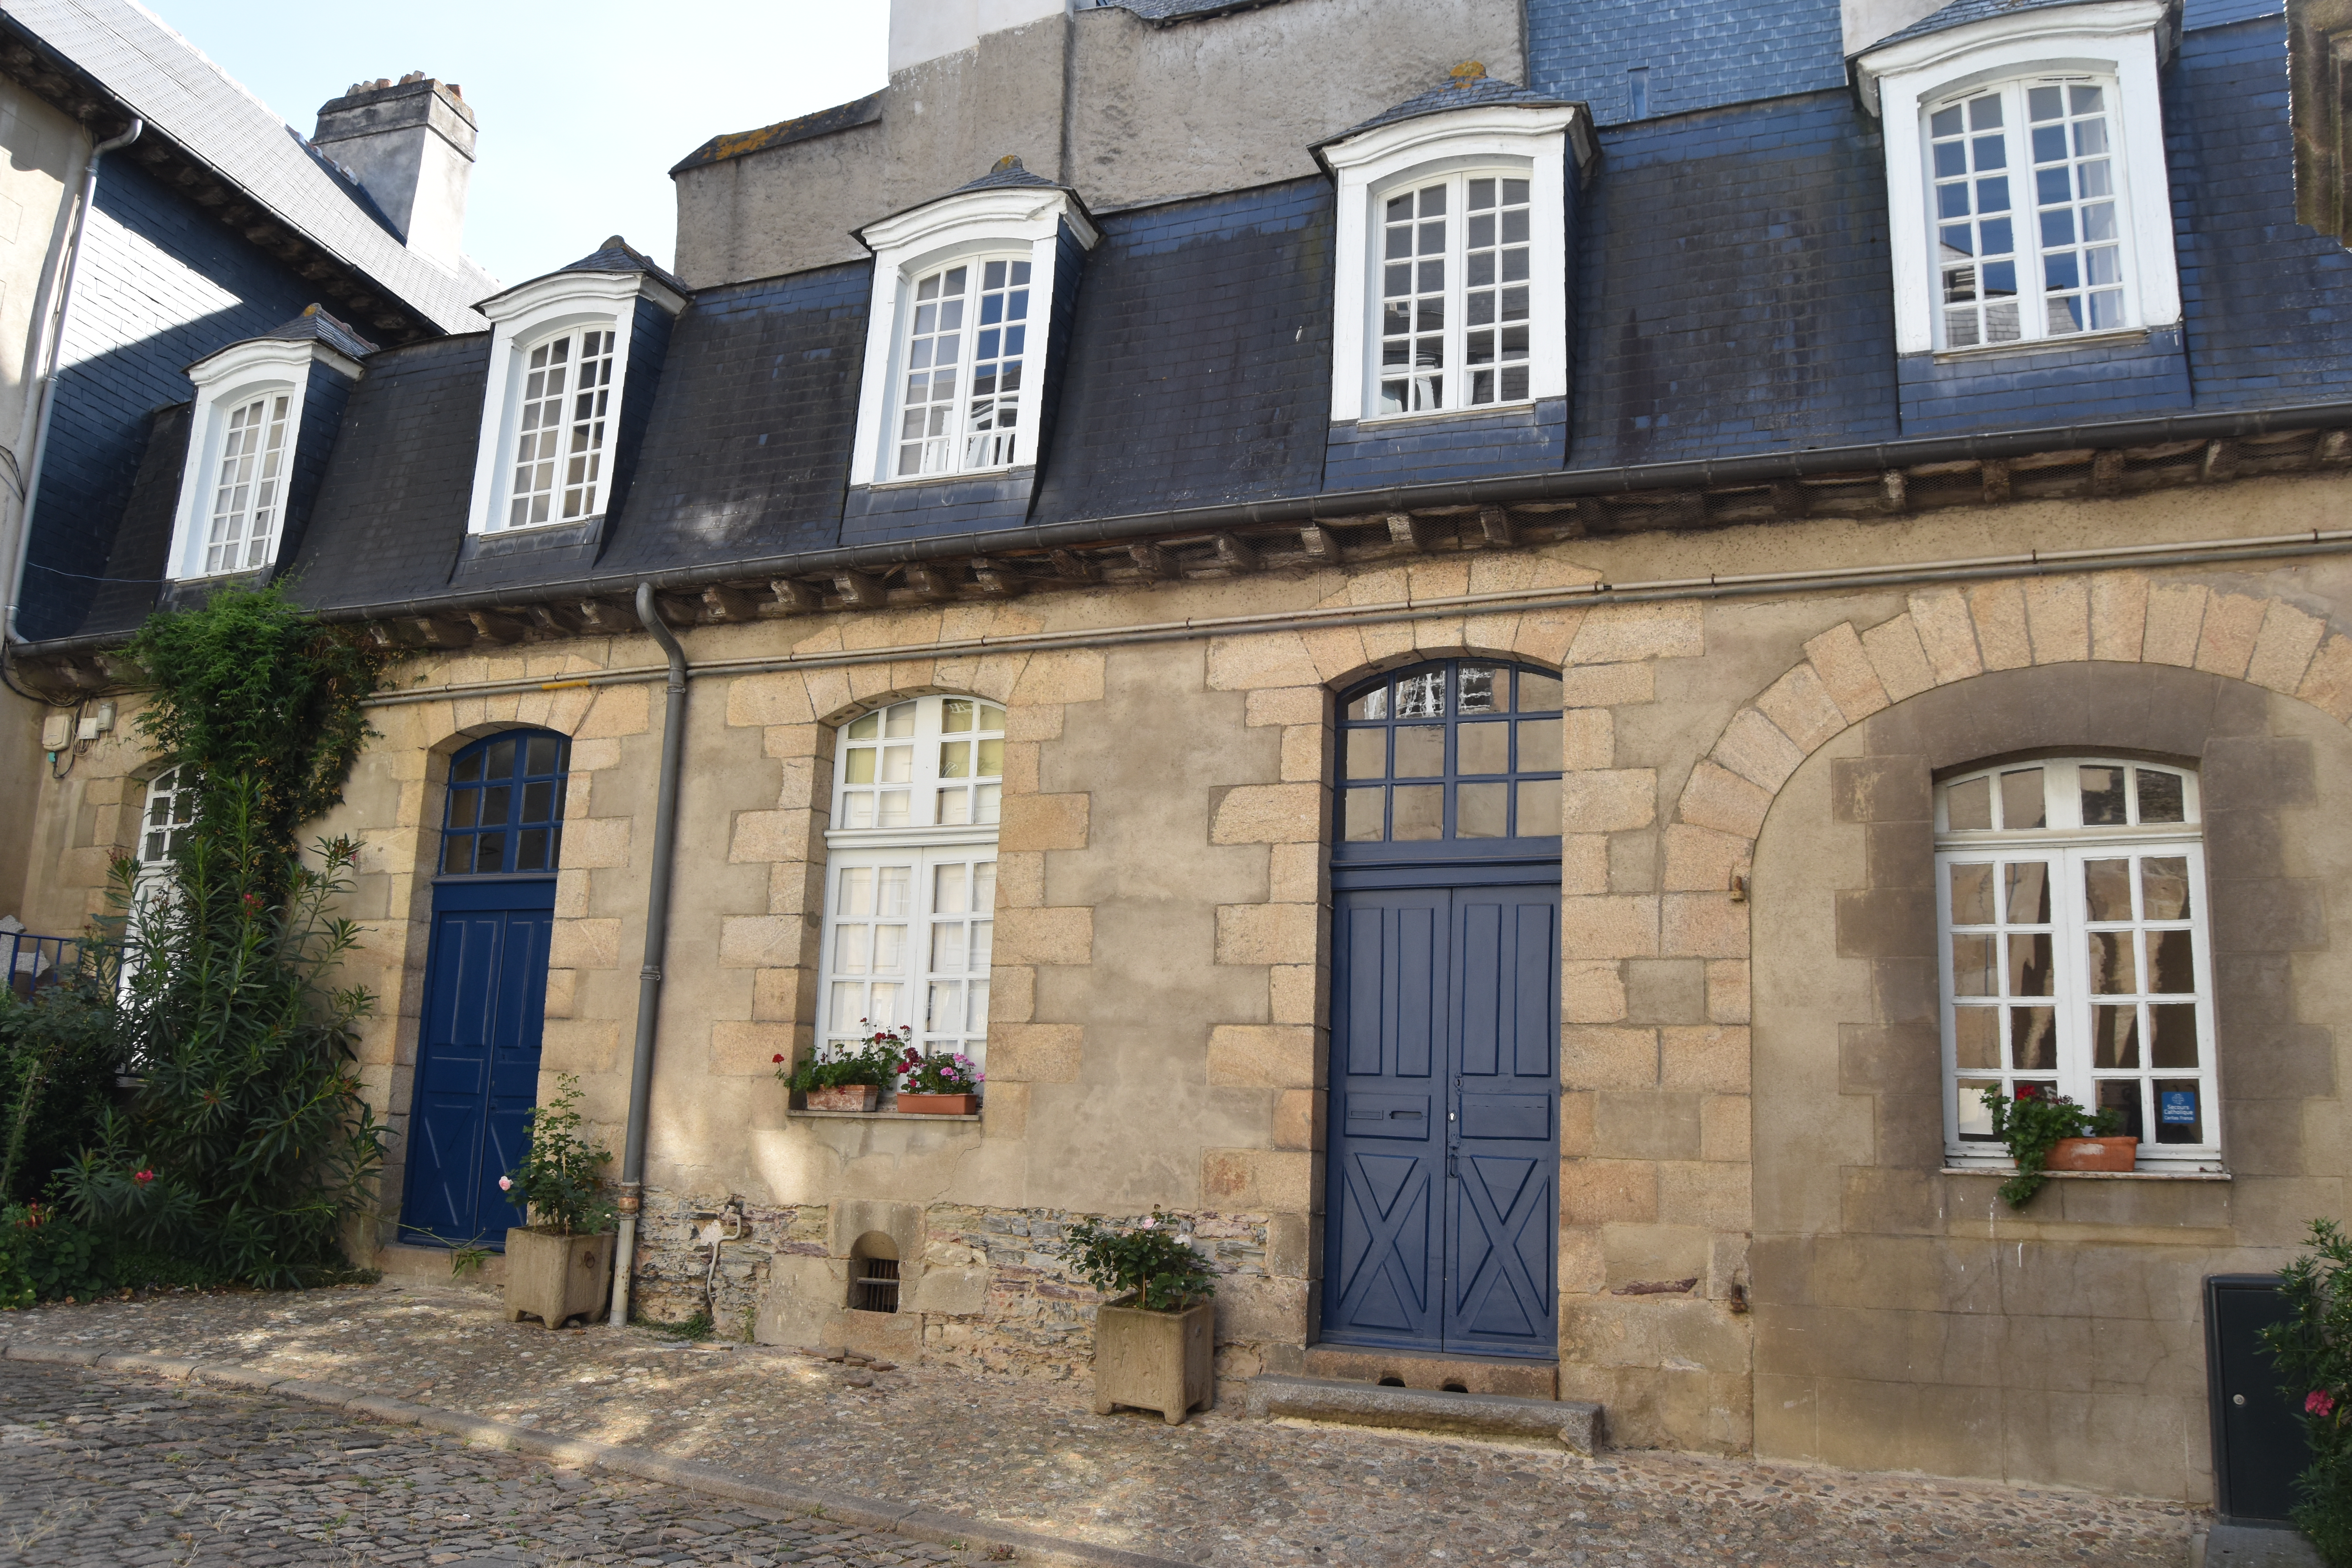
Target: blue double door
x: 1443, y: 1204
x: 477, y: 1057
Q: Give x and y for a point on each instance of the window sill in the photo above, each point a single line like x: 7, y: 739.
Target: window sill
x: 796, y: 1112
x: 2003, y: 1172
x: 910, y: 481
x: 2118, y: 337
x: 1431, y: 416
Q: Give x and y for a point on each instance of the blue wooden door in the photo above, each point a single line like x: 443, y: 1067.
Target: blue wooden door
x: 484, y: 988
x: 1443, y: 1205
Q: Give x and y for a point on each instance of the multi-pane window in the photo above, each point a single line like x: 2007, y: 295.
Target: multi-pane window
x: 168, y: 815
x: 1454, y: 325
x: 560, y: 429
x: 931, y: 762
x: 2029, y: 227
x: 249, y: 491
x: 910, y: 882
x: 505, y: 813
x: 1463, y: 749
x: 967, y: 337
x: 2075, y: 955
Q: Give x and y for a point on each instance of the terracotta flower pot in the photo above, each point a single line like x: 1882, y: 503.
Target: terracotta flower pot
x: 848, y: 1097
x: 938, y: 1104
x: 2094, y: 1154
x: 553, y: 1278
x: 1155, y: 1361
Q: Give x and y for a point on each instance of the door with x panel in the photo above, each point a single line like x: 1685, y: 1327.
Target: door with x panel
x: 1442, y: 1207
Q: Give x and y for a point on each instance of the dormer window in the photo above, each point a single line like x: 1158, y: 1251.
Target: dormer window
x: 956, y: 416
x: 566, y: 396
x: 573, y: 358
x: 248, y: 491
x: 2026, y: 184
x: 246, y: 484
x: 966, y: 289
x: 1452, y: 277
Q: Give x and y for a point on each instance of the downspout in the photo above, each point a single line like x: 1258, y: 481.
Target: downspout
x: 53, y: 344
x: 649, y: 978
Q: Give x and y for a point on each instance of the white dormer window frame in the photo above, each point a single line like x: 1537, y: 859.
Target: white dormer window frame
x: 242, y: 438
x: 540, y: 332
x: 2070, y: 285
x: 918, y: 257
x: 1453, y: 152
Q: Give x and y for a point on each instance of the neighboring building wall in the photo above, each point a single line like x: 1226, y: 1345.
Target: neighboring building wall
x: 1126, y: 112
x: 46, y: 150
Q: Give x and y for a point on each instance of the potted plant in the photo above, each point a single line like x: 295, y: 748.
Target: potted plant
x: 2047, y: 1132
x: 2312, y: 1351
x: 561, y: 1265
x: 1155, y: 1343
x: 849, y: 1077
x: 942, y: 1085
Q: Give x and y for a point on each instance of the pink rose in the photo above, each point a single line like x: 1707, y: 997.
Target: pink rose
x: 506, y: 1184
x: 2319, y: 1402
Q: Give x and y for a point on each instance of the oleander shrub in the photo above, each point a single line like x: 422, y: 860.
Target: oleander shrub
x: 2314, y: 1353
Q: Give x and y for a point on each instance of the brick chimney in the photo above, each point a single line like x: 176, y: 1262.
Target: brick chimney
x: 411, y: 144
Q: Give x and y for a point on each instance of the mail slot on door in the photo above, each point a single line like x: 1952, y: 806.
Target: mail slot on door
x: 1505, y: 1116
x: 1388, y: 1116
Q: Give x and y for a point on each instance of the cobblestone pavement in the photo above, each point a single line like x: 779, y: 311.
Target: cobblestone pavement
x: 115, y: 1470
x: 1030, y: 1455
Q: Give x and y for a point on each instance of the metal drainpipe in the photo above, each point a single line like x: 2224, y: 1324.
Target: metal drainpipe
x: 22, y: 546
x: 649, y: 978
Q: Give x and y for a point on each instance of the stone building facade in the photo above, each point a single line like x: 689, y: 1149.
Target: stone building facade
x: 1769, y: 1226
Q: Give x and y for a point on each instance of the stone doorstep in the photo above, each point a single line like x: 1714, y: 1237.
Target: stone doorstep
x: 430, y: 1265
x: 1575, y: 1424
x: 2253, y: 1546
x: 859, y: 1513
x: 1422, y: 1368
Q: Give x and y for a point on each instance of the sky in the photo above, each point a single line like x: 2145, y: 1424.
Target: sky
x: 582, y: 107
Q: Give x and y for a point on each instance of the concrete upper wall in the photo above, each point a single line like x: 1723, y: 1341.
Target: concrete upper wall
x: 923, y: 30
x: 1141, y: 114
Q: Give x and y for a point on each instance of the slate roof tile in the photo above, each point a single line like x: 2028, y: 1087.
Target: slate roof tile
x: 1471, y: 88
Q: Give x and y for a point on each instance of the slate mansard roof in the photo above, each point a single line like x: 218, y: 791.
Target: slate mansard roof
x: 1196, y: 383
x: 165, y: 80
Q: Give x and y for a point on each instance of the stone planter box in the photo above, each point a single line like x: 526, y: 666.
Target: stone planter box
x: 850, y: 1097
x: 555, y: 1277
x: 1155, y: 1361
x: 938, y: 1104
x: 2094, y: 1154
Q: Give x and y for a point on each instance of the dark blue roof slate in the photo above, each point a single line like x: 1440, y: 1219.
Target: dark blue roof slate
x: 1471, y: 88
x: 391, y: 512
x: 134, y: 567
x: 1960, y: 13
x: 314, y: 325
x: 618, y: 255
x: 1167, y: 11
x: 1008, y: 172
x: 747, y: 452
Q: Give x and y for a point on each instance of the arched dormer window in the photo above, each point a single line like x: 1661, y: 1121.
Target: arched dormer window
x: 244, y: 486
x: 967, y: 292
x: 563, y: 397
x: 2027, y: 193
x: 1451, y: 276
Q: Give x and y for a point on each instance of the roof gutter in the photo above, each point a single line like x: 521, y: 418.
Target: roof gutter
x: 649, y: 978
x: 1756, y: 469
x: 38, y: 415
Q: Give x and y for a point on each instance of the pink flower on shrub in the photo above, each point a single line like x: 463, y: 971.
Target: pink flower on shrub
x: 2319, y: 1402
x: 506, y: 1184
x: 143, y: 1177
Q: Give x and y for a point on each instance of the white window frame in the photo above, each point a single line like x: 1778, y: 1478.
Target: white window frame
x: 157, y: 840
x: 926, y: 851
x: 1015, y: 222
x: 258, y: 368
x: 1503, y: 140
x: 523, y: 319
x: 961, y: 445
x: 2066, y: 846
x: 2123, y: 42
